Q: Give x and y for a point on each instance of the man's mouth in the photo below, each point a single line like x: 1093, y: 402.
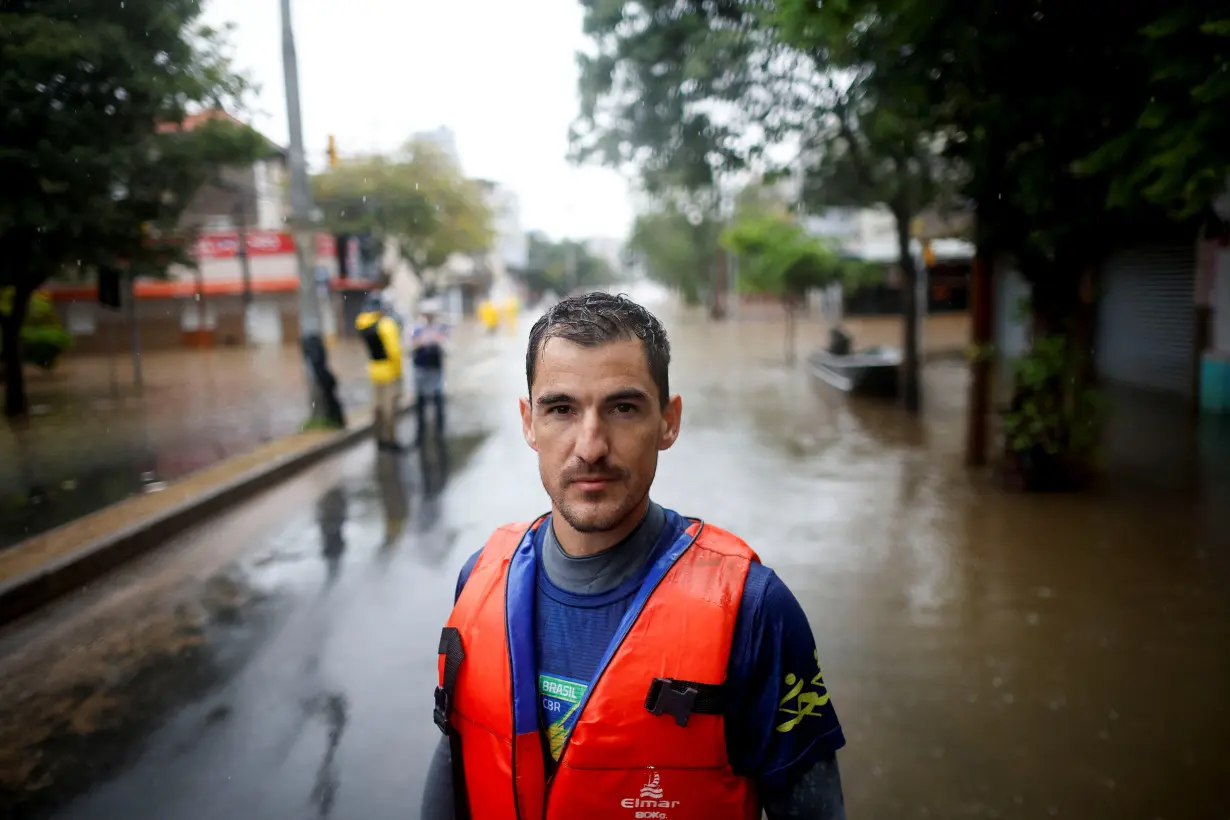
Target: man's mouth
x: 592, y: 483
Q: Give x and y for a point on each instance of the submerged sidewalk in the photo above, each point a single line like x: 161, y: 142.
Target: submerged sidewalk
x: 92, y: 440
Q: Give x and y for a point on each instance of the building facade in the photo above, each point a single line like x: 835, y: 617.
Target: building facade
x: 234, y: 295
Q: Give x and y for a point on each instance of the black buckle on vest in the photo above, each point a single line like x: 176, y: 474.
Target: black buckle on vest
x: 672, y: 697
x: 440, y: 713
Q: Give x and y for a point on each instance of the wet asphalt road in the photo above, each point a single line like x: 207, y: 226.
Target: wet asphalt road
x: 990, y: 655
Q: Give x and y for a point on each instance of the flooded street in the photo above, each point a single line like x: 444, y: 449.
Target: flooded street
x: 94, y: 439
x: 989, y: 655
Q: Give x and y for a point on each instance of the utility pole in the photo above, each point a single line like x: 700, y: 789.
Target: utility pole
x: 324, y: 404
x: 245, y: 264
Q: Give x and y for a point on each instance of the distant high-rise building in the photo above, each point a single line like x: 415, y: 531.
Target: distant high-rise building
x: 443, y: 138
x: 512, y: 244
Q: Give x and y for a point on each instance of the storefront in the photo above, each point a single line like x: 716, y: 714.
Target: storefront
x: 1146, y: 310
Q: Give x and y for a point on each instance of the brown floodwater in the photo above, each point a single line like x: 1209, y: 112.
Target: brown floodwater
x: 990, y: 655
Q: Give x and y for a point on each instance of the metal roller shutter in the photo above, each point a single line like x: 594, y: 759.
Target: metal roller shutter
x: 1145, y: 318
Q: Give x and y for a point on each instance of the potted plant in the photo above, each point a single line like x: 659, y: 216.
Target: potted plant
x: 1053, y: 426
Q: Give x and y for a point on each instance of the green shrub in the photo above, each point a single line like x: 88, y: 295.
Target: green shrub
x: 43, y: 337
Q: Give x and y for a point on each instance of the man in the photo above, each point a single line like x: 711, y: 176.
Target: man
x: 381, y: 336
x: 427, y: 343
x: 615, y: 659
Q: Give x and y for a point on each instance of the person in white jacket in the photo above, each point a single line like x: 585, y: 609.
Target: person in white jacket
x: 428, y: 348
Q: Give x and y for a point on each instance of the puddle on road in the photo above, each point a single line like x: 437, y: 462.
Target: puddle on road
x: 73, y: 719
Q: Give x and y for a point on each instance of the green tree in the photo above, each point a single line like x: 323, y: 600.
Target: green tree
x: 677, y: 246
x: 1044, y: 151
x: 686, y: 92
x: 656, y: 92
x: 84, y: 88
x: 416, y: 199
x: 779, y: 257
x: 869, y: 132
x: 1178, y: 154
x: 564, y: 266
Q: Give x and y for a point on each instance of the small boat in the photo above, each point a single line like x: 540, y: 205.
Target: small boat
x: 869, y: 372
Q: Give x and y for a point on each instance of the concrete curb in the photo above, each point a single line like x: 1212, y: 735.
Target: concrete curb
x: 24, y: 594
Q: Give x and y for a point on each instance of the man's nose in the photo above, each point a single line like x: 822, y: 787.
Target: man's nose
x: 592, y: 445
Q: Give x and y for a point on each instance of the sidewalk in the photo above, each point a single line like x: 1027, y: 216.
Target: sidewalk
x: 45, y: 565
x: 92, y: 440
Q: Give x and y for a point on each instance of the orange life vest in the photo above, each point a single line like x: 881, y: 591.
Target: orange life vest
x: 650, y: 738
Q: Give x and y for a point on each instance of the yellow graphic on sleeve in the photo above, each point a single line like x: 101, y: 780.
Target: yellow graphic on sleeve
x: 798, y: 704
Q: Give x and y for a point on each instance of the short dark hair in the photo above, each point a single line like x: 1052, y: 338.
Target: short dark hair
x: 594, y: 319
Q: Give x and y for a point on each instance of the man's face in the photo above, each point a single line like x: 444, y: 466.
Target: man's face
x: 596, y: 421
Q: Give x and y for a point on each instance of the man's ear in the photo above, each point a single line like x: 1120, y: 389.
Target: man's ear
x: 527, y: 424
x: 672, y: 416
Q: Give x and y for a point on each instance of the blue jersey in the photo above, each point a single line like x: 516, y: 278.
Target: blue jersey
x: 780, y: 719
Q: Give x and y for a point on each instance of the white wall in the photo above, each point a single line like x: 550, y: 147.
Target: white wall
x: 271, y: 209
x: 1011, y: 332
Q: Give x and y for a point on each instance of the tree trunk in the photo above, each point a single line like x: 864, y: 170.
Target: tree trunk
x: 15, y: 404
x: 911, y: 389
x: 982, y: 310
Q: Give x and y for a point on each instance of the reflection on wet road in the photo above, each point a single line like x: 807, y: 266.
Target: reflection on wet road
x: 990, y: 655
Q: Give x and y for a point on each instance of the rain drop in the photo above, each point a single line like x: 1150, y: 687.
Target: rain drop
x: 1033, y: 618
x: 1009, y: 698
x: 997, y: 681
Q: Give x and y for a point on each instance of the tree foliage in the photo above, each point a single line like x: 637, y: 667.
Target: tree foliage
x: 778, y: 256
x: 1178, y: 154
x: 417, y: 199
x: 89, y: 180
x: 564, y: 265
x: 652, y: 88
x: 677, y: 245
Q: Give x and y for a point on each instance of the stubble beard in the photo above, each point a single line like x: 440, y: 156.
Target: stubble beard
x: 597, y: 521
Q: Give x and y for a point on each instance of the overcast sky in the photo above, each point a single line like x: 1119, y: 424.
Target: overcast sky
x: 501, y: 74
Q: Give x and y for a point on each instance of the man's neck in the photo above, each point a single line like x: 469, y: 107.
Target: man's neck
x: 581, y: 544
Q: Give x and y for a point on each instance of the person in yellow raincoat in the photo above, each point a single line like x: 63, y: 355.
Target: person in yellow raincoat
x: 489, y: 315
x: 382, y: 337
x: 510, y: 312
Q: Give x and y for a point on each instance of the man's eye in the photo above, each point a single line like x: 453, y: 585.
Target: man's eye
x: 558, y: 410
x: 625, y: 408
